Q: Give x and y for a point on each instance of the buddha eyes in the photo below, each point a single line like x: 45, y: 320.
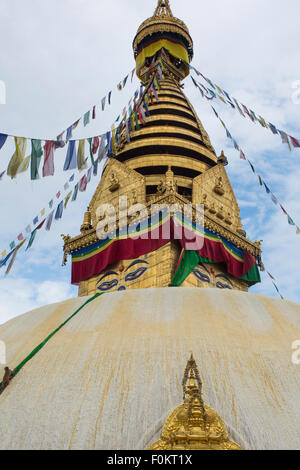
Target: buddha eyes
x: 135, y: 274
x: 111, y: 284
x: 107, y: 285
x: 201, y: 276
x: 221, y: 285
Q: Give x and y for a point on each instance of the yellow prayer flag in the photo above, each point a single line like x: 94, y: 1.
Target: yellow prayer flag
x: 222, y: 99
x: 80, y: 155
x: 75, y: 124
x: 18, y: 157
x: 4, y: 253
x: 219, y: 89
x: 262, y: 122
x: 14, y: 256
x: 43, y: 212
x: 67, y: 199
x: 24, y: 165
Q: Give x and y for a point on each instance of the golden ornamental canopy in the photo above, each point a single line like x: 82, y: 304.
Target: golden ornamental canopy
x: 161, y: 22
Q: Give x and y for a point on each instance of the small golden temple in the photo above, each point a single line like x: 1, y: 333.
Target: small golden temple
x: 169, y: 161
x: 194, y: 425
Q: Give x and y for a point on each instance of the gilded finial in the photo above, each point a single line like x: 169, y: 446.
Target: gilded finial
x: 163, y: 8
x: 222, y: 160
x: 87, y: 222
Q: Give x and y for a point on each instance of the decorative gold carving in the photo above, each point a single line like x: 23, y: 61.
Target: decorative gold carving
x: 212, y: 208
x: 163, y: 9
x: 87, y: 222
x: 219, y: 188
x: 194, y: 425
x: 228, y: 219
x: 66, y: 239
x: 220, y: 213
x: 215, y: 183
x: 204, y: 201
x: 115, y: 185
x: 222, y: 160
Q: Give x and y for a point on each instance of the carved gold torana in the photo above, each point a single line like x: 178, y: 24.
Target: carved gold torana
x: 168, y: 160
x: 194, y: 425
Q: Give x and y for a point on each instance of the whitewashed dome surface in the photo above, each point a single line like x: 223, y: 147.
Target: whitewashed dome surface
x: 110, y: 377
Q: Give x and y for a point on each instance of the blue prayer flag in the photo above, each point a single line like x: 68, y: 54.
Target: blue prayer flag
x: 69, y: 132
x: 71, y: 158
x: 3, y: 138
x: 59, y: 210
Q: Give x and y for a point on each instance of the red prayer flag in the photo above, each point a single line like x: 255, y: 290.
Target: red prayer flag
x: 295, y: 142
x: 94, y: 113
x: 283, y: 210
x: 58, y: 195
x: 247, y: 112
x: 48, y: 168
x: 20, y: 237
x: 41, y: 225
x: 83, y: 184
x: 271, y: 276
x: 95, y: 145
x: 242, y: 155
x: 140, y: 116
x: 151, y: 96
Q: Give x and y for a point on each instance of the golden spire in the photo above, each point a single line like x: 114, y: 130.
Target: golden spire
x: 194, y: 425
x: 163, y: 9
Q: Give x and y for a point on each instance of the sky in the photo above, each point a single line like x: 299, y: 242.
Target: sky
x: 61, y: 57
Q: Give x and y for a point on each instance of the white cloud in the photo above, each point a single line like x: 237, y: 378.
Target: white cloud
x: 20, y: 295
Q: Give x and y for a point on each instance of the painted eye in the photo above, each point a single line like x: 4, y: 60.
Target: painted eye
x: 107, y: 285
x: 135, y: 274
x: 201, y: 276
x: 220, y: 285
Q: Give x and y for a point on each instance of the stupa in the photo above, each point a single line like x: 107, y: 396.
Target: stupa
x: 104, y: 370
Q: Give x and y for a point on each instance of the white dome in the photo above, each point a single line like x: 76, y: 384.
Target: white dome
x: 110, y: 377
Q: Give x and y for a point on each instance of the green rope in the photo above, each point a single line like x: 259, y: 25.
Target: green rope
x: 42, y: 344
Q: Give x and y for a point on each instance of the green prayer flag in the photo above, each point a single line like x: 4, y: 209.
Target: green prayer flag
x: 90, y: 141
x: 137, y: 126
x: 212, y: 93
x: 36, y: 155
x: 31, y: 240
x: 12, y: 245
x: 51, y: 204
x: 74, y: 197
x: 86, y: 119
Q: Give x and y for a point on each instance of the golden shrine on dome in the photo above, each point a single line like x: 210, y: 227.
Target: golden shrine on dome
x: 168, y: 160
x: 194, y: 425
